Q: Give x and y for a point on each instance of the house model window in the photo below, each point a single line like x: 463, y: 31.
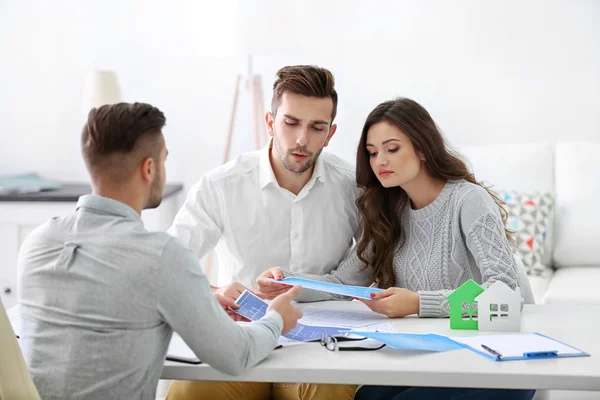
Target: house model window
x: 499, y: 312
x: 469, y: 310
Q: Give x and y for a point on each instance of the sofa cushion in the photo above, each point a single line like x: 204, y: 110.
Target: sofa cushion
x: 574, y: 285
x: 529, y: 219
x: 577, y: 224
x: 524, y: 167
x: 539, y: 284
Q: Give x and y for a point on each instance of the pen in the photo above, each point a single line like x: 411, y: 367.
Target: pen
x: 490, y: 350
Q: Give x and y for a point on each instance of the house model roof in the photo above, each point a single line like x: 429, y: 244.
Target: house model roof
x: 499, y: 290
x: 469, y: 289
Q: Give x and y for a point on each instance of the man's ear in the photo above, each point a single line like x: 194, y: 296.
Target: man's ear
x: 148, y: 169
x: 331, y: 133
x: 270, y: 121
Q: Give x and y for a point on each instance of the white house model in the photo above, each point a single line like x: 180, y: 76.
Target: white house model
x: 499, y: 308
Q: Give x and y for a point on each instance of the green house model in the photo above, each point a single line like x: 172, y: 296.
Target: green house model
x: 463, y: 307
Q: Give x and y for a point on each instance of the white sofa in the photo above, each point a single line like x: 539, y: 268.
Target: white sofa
x: 571, y: 171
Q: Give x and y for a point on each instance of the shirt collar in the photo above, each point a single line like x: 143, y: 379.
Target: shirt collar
x: 319, y: 170
x: 107, y: 206
x: 266, y: 174
x: 265, y: 170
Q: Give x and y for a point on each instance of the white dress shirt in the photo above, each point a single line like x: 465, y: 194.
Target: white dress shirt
x: 261, y: 225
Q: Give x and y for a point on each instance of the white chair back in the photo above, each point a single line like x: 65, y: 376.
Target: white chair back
x: 15, y: 380
x: 524, y: 284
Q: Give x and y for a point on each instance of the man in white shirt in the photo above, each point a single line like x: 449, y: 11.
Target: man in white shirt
x: 288, y: 204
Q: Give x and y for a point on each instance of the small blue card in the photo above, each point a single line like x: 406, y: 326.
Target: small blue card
x: 346, y: 290
x: 251, y: 306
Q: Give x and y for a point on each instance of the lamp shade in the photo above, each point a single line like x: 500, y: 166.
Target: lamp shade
x: 101, y: 87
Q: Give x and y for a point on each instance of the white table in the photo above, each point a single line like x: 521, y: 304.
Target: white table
x: 578, y: 326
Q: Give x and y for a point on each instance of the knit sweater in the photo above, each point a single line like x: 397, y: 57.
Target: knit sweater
x: 459, y: 236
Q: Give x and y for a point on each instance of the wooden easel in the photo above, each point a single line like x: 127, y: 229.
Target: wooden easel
x: 253, y: 84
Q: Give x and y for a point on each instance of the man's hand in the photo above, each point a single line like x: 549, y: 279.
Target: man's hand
x: 227, y: 305
x: 234, y: 290
x: 282, y: 305
x: 394, y: 302
x: 269, y: 288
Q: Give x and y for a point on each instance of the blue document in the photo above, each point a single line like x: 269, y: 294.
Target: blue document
x: 254, y: 308
x: 309, y: 333
x: 413, y: 341
x: 353, y: 291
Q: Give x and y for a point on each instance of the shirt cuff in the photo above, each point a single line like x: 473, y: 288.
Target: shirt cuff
x: 276, y: 318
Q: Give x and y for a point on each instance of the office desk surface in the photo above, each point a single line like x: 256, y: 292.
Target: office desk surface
x: 576, y: 325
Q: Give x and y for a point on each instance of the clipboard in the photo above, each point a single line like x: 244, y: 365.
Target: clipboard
x: 180, y: 352
x: 518, y: 346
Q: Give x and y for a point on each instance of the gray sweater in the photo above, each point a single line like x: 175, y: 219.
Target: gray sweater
x: 100, y: 297
x: 459, y: 236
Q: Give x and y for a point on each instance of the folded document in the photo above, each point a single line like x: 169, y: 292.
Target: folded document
x: 346, y: 290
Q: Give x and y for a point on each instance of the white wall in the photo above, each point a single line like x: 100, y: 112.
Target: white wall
x: 489, y: 72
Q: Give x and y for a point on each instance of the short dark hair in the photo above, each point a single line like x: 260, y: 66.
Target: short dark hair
x: 117, y: 137
x: 305, y: 80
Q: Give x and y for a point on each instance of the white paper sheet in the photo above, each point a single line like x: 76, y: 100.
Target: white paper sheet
x: 346, y: 319
x: 178, y: 349
x: 378, y: 327
x: 285, y: 342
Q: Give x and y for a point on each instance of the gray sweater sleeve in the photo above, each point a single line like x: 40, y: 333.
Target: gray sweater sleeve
x: 189, y: 307
x: 351, y: 271
x: 482, y: 227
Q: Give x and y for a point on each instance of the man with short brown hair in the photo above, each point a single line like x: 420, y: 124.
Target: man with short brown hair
x: 100, y: 296
x: 289, y: 204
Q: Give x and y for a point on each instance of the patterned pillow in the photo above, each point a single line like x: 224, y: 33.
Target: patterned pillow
x: 529, y: 218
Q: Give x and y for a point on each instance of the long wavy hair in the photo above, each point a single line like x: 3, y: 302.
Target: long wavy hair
x: 381, y: 208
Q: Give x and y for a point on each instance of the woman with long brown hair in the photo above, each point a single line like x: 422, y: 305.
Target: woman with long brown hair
x: 428, y: 227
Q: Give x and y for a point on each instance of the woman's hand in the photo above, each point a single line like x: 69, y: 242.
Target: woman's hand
x: 271, y: 289
x: 394, y: 302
